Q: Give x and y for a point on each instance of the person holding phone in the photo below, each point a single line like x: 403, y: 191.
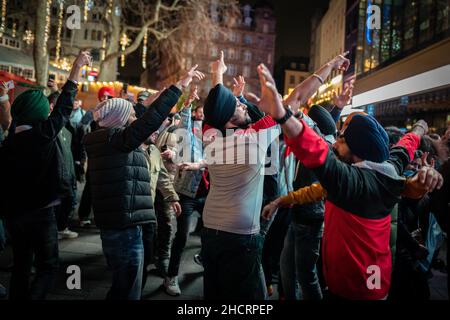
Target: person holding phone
x: 30, y: 153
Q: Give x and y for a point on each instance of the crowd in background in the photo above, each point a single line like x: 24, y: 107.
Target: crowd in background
x: 333, y: 209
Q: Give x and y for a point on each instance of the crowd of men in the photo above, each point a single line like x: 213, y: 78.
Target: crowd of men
x: 337, y: 210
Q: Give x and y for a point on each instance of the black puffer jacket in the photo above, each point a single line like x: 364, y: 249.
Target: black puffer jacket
x: 119, y: 176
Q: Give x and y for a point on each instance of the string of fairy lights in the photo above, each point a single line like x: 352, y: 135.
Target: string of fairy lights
x: 3, y: 18
x: 86, y: 10
x: 103, y: 46
x: 144, y: 50
x: 47, y: 24
x: 109, y: 9
x: 28, y: 35
x: 58, y: 33
x: 124, y: 42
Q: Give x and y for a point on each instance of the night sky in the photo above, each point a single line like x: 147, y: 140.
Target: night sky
x: 293, y: 25
x: 293, y: 32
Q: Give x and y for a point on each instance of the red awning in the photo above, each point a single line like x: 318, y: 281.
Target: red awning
x: 18, y: 79
x: 20, y: 84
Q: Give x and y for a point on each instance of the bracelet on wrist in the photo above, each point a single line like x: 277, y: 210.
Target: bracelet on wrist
x: 315, y: 75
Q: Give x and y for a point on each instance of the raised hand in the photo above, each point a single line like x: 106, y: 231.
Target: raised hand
x: 193, y: 95
x: 420, y: 128
x: 191, y: 74
x: 238, y: 86
x: 340, y: 101
x: 270, y: 102
x: 253, y: 98
x: 3, y: 88
x: 424, y: 160
x: 219, y: 66
x: 341, y: 63
x: 430, y: 178
x: 84, y: 58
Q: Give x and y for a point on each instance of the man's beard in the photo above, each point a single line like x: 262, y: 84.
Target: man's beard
x: 245, y: 123
x: 340, y: 157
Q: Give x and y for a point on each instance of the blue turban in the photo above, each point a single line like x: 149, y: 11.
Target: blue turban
x: 367, y: 139
x: 219, y: 107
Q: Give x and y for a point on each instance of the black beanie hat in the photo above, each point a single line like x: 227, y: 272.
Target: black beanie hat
x: 324, y: 120
x: 220, y: 106
x: 367, y: 139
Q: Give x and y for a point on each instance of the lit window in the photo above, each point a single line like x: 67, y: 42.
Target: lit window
x: 232, y: 70
x: 292, y: 79
x: 246, y: 72
x: 214, y: 51
x: 231, y: 54
x: 247, y: 56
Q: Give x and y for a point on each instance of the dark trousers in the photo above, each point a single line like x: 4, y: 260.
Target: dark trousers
x: 33, y: 234
x: 86, y: 201
x: 148, y: 240
x: 188, y: 205
x: 407, y: 283
x: 232, y: 264
x: 273, y: 243
x: 164, y: 214
x: 63, y: 212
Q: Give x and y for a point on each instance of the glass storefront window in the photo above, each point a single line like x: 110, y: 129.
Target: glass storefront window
x: 397, y: 34
x: 361, y: 38
x: 442, y: 18
x: 410, y: 22
x: 426, y: 20
x: 386, y: 30
x: 405, y: 27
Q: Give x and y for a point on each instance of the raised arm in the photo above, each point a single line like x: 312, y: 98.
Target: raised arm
x: 218, y: 69
x: 306, y: 89
x: 50, y: 128
x: 136, y: 133
x: 5, y: 107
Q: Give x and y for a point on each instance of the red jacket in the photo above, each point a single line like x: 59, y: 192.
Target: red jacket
x: 360, y: 198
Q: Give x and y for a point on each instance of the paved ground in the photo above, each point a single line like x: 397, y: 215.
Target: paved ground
x: 86, y: 252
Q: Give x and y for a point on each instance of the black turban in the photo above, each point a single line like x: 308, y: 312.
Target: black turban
x: 220, y: 106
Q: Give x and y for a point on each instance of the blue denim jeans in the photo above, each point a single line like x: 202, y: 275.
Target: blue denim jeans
x: 232, y: 264
x: 298, y: 262
x: 124, y: 252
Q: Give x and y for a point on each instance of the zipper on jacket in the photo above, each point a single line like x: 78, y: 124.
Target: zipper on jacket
x: 133, y: 194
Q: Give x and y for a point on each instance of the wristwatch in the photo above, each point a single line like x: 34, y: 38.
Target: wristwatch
x: 286, y: 116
